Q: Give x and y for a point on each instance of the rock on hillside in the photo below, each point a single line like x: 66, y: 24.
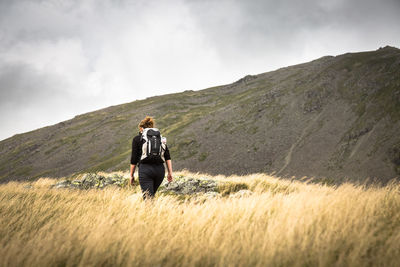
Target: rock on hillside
x: 334, y: 117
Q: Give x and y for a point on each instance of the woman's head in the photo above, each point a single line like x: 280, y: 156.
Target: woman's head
x: 147, y: 122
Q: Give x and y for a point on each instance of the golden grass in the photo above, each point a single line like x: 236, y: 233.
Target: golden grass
x: 282, y: 224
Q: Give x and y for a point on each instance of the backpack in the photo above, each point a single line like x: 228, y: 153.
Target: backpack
x: 153, y: 146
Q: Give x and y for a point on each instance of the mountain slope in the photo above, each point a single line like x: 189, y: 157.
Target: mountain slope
x: 334, y: 117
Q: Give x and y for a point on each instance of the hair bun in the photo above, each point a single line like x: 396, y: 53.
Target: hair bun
x: 147, y: 122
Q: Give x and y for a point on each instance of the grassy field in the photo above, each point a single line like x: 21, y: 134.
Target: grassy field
x: 282, y: 223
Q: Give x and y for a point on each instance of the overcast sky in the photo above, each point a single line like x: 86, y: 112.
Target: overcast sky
x: 61, y: 58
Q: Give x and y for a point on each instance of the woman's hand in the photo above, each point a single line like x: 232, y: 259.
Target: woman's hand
x: 132, y: 180
x: 169, y: 166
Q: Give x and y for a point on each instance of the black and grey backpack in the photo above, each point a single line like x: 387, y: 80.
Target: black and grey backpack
x: 153, y: 146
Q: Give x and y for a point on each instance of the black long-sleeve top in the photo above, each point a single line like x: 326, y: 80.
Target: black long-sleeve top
x: 137, y: 150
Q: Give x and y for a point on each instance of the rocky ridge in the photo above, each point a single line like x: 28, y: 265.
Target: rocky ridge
x: 182, y: 186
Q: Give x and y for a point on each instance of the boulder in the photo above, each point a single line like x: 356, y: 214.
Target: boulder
x: 93, y: 180
x: 189, y: 186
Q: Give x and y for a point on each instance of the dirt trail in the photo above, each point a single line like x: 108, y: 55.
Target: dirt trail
x: 359, y: 142
x: 288, y: 157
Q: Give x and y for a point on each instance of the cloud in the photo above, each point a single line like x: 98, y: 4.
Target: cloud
x: 275, y: 33
x: 94, y: 56
x: 62, y: 58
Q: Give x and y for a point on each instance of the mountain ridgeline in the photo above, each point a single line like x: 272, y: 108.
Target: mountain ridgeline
x: 332, y: 118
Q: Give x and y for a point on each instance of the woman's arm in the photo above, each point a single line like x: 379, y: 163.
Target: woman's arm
x: 169, y: 167
x: 133, y: 167
x: 135, y: 156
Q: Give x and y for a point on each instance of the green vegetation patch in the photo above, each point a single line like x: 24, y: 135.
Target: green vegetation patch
x: 109, y: 162
x: 22, y: 171
x: 185, y: 148
x: 203, y: 156
x: 227, y: 188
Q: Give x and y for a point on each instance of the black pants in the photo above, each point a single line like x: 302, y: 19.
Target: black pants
x: 150, y: 178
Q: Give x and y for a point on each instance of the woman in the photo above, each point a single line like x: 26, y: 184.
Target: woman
x: 152, y: 174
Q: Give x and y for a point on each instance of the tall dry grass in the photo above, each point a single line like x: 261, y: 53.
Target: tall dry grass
x: 282, y: 224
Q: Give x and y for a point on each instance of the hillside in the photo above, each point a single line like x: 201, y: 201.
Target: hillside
x: 334, y: 117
